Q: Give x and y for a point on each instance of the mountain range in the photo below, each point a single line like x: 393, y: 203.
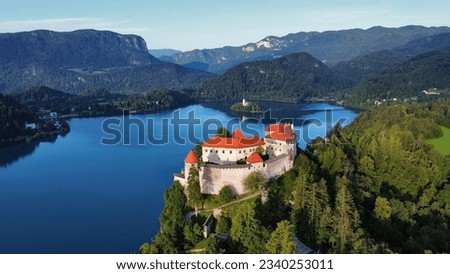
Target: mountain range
x: 403, y: 72
x: 163, y: 52
x: 379, y: 63
x: 83, y: 59
x: 330, y: 47
x: 359, y: 67
x: 426, y: 71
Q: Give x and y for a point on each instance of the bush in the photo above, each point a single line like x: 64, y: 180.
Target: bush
x: 226, y: 194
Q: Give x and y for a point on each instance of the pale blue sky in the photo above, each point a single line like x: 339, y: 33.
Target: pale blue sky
x: 185, y: 25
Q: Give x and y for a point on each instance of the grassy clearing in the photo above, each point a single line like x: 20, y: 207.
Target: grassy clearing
x: 442, y: 144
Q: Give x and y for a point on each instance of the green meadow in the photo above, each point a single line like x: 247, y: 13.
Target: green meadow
x: 442, y: 144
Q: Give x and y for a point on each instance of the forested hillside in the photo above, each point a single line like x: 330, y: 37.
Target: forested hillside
x: 86, y: 59
x: 290, y: 78
x: 12, y: 119
x: 375, y: 186
x: 361, y: 66
x: 96, y: 102
x: 410, y: 78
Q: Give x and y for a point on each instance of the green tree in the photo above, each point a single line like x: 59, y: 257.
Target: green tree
x: 193, y: 233
x: 198, y: 150
x: 260, y: 151
x: 213, y: 245
x: 195, y: 196
x: 345, y: 219
x: 254, y: 181
x: 383, y: 209
x: 145, y: 248
x: 248, y: 231
x: 170, y: 238
x: 223, y: 224
x: 226, y: 194
x: 281, y: 241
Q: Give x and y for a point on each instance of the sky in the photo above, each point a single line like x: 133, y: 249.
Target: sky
x: 198, y: 24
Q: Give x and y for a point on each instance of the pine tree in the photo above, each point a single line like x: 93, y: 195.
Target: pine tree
x: 195, y: 197
x: 281, y: 241
x: 345, y: 219
x: 248, y: 231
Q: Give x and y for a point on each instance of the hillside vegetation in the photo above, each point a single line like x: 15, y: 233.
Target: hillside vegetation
x: 86, y: 59
x: 423, y: 72
x: 291, y: 78
x: 375, y: 187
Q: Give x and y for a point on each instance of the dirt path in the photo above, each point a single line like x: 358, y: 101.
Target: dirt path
x: 256, y: 194
x: 189, y: 214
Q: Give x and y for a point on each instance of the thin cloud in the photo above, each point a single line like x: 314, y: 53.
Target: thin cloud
x: 58, y: 24
x: 69, y: 24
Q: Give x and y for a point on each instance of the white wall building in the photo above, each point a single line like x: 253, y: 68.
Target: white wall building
x: 219, y: 157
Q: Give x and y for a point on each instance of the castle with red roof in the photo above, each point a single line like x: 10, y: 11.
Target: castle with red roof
x: 227, y: 161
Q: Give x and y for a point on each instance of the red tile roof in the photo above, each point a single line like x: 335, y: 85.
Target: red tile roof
x: 282, y: 132
x: 276, y: 127
x: 191, y: 158
x: 254, y: 158
x: 243, y: 142
x: 238, y: 133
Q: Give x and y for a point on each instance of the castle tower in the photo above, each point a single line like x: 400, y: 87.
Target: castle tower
x: 254, y: 158
x: 237, y: 133
x: 190, y: 161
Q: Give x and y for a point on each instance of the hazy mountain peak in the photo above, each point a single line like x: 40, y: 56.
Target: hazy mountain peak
x: 329, y: 46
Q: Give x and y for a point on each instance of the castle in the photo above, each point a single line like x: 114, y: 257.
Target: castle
x: 227, y: 161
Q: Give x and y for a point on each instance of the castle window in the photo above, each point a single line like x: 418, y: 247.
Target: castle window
x: 244, y: 150
x: 231, y: 151
x: 223, y: 151
x: 240, y: 151
x: 210, y: 150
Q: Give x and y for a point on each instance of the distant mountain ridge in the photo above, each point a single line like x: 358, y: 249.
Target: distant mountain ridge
x: 290, y: 78
x: 423, y: 72
x: 364, y: 65
x: 163, y: 52
x: 81, y: 49
x: 330, y: 46
x: 83, y: 59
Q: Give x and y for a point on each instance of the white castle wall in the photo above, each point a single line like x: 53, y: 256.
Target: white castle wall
x: 226, y: 156
x: 215, y: 177
x: 277, y: 166
x: 277, y: 147
x: 184, y: 175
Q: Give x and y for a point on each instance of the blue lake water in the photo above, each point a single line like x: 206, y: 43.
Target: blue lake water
x: 75, y: 195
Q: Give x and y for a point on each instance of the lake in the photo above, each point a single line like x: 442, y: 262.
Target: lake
x: 77, y: 195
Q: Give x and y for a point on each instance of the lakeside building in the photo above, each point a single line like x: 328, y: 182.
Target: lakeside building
x: 227, y: 161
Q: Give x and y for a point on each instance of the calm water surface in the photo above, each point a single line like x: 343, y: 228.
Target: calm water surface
x: 75, y: 195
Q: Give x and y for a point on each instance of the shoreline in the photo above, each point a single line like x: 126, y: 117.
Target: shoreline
x: 50, y: 135
x: 38, y: 137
